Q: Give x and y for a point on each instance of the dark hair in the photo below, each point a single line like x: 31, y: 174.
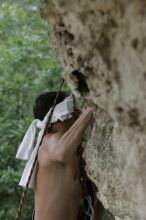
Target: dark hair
x: 45, y: 101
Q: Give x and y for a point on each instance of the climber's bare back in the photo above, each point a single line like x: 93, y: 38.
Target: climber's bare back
x: 58, y: 189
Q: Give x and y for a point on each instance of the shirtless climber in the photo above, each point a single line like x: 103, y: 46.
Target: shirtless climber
x: 59, y: 191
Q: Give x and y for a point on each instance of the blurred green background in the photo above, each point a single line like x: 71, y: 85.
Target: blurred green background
x: 27, y: 68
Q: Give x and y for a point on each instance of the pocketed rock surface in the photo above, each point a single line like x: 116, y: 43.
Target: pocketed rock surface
x: 101, y: 45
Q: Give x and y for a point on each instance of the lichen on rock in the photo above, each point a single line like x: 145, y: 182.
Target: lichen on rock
x: 101, y: 46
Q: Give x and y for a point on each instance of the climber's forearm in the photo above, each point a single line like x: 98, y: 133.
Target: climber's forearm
x: 72, y: 138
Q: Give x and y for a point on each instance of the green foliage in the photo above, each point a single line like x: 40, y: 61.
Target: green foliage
x: 108, y: 216
x: 27, y: 68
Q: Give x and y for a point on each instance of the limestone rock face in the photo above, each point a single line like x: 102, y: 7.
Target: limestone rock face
x: 101, y: 45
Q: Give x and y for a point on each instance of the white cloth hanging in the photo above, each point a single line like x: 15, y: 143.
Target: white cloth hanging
x: 27, y: 151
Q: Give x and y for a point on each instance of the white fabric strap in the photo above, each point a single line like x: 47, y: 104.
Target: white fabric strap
x: 29, y: 164
x: 26, y: 147
x: 27, y: 151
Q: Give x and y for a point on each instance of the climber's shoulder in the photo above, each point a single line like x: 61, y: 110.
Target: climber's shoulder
x: 51, y: 138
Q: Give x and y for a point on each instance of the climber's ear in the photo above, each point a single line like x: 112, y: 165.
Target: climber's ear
x: 77, y: 113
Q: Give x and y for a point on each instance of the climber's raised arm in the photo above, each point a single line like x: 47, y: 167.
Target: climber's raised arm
x: 71, y: 139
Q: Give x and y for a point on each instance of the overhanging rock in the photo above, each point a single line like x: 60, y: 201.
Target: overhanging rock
x: 101, y: 45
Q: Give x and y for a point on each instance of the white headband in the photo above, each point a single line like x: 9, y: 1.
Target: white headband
x: 27, y: 151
